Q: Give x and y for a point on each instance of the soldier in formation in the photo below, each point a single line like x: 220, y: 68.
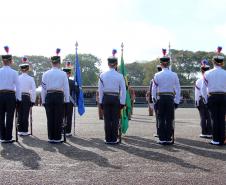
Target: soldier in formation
x: 112, y: 97
x: 10, y: 97
x: 213, y: 91
x: 166, y: 93
x: 55, y: 98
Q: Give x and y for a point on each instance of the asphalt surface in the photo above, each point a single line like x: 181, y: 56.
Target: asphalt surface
x: 139, y: 160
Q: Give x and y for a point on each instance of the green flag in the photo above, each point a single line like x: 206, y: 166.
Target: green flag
x: 127, y: 109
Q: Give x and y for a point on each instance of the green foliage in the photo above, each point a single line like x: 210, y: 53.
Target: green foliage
x: 39, y: 64
x: 89, y: 67
x: 185, y: 63
x: 141, y: 73
x: 150, y: 69
x: 136, y: 73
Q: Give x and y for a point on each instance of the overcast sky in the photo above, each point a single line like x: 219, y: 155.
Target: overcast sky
x: 38, y: 27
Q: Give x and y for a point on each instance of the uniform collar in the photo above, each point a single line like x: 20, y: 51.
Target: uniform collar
x: 111, y: 69
x: 165, y: 68
x: 56, y: 68
x: 217, y: 67
x: 6, y: 66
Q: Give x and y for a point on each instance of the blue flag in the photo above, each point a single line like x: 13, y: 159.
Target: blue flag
x: 78, y: 81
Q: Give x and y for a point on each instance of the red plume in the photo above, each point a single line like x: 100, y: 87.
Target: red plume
x: 114, y: 51
x: 57, y: 51
x: 68, y: 63
x: 24, y: 59
x: 6, y: 49
x: 219, y: 48
x: 164, y: 52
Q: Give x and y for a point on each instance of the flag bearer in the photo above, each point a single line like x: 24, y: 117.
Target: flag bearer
x: 112, y: 97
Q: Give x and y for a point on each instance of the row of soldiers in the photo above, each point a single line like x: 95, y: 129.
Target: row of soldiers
x: 210, y: 99
x: 57, y: 99
x: 19, y: 93
x: 165, y: 95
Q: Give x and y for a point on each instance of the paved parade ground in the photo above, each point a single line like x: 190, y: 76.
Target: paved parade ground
x: 85, y: 159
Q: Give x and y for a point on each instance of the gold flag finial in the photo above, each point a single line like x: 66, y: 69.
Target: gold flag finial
x: 122, y: 46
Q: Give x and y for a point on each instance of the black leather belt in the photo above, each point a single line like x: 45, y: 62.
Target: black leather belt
x: 217, y: 93
x: 7, y: 91
x: 111, y: 93
x: 25, y: 94
x: 54, y: 91
x: 166, y: 93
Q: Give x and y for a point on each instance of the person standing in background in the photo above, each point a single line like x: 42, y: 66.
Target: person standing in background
x: 28, y: 91
x: 155, y: 106
x: 74, y: 91
x: 205, y: 121
x: 132, y: 98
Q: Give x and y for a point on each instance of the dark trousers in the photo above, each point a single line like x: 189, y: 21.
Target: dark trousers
x: 216, y: 105
x: 166, y: 117
x: 54, y: 105
x: 156, y: 117
x: 23, y: 115
x: 69, y: 117
x: 111, y: 106
x: 7, y: 108
x: 205, y: 120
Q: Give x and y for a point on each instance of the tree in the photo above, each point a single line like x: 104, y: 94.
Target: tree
x: 136, y: 73
x: 89, y: 67
x: 39, y: 64
x: 150, y: 70
x: 140, y: 73
x: 187, y: 64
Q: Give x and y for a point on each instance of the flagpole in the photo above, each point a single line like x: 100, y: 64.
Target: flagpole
x: 170, y: 67
x: 120, y: 121
x: 76, y: 48
x: 78, y: 82
x: 122, y: 47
